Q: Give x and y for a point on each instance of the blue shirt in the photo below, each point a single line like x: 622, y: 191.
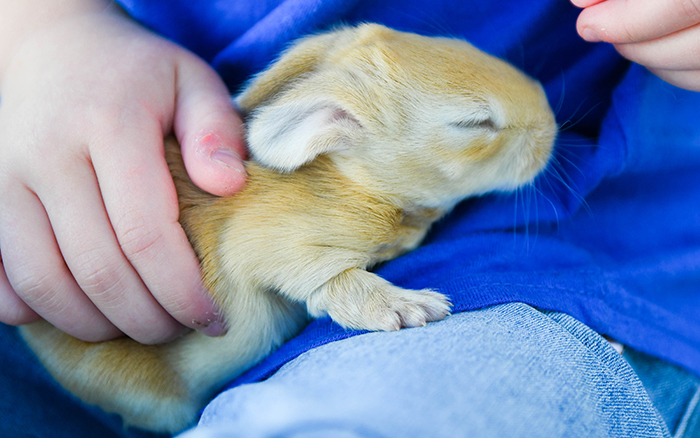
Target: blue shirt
x: 609, y: 234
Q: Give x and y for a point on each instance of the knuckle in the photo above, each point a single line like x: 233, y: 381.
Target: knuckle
x: 138, y: 239
x: 97, y: 276
x: 691, y: 8
x: 180, y: 302
x: 112, y: 119
x: 630, y: 32
x: 12, y: 313
x: 109, y: 117
x: 40, y: 289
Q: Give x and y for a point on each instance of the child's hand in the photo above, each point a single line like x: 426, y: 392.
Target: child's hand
x: 89, y: 232
x: 662, y: 35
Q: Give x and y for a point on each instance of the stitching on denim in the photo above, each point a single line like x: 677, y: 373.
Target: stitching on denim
x: 693, y: 409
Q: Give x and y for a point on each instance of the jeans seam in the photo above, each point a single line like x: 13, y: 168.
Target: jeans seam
x: 688, y: 415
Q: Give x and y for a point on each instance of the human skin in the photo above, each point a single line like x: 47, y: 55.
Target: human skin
x: 89, y: 231
x: 662, y: 35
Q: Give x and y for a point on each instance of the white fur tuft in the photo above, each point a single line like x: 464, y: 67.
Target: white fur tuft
x: 287, y: 136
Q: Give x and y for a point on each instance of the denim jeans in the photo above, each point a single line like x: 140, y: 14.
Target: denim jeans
x: 504, y: 371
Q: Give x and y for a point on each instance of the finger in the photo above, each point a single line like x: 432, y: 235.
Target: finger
x: 688, y: 79
x: 627, y: 21
x: 209, y: 129
x: 143, y: 210
x: 677, y: 51
x: 13, y: 310
x: 585, y: 3
x: 37, y: 273
x: 93, y: 255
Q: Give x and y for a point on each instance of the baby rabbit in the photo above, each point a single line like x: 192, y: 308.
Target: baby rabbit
x: 361, y: 138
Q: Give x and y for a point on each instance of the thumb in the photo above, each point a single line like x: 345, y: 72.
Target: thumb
x: 623, y: 21
x: 209, y: 129
x: 585, y: 3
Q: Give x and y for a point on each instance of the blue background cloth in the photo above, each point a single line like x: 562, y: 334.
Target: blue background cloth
x: 34, y: 405
x: 609, y: 234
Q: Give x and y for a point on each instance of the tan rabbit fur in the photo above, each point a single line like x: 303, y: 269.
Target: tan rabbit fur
x: 361, y: 138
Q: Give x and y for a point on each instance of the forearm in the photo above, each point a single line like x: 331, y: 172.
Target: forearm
x: 20, y: 19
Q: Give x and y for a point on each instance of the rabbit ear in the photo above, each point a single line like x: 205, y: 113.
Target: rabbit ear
x: 286, y: 136
x: 302, y: 58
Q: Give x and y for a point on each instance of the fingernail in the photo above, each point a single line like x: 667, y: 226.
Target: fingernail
x: 210, y: 144
x: 211, y: 327
x: 215, y: 329
x: 228, y: 158
x: 590, y: 35
x: 212, y: 324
